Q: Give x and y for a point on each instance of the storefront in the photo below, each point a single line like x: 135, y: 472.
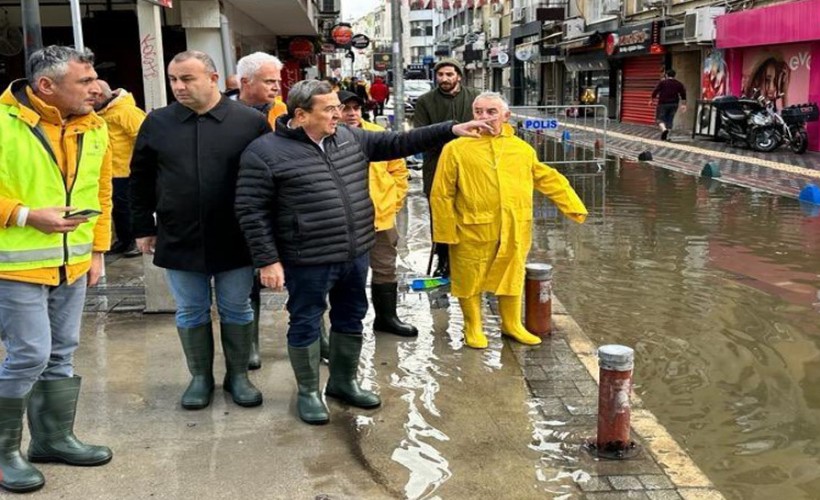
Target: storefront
x: 589, y: 77
x: 770, y: 50
x: 643, y: 59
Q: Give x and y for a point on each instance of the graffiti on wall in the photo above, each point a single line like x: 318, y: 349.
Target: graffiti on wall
x: 715, y: 75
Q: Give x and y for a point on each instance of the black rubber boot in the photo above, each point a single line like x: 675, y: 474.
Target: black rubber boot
x: 236, y: 345
x: 19, y: 475
x: 344, y: 367
x: 305, y: 363
x: 443, y: 261
x: 254, y: 362
x: 52, y: 407
x: 384, y: 297
x: 198, y: 346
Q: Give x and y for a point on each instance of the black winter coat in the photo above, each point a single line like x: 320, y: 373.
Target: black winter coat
x: 184, y: 168
x: 302, y: 206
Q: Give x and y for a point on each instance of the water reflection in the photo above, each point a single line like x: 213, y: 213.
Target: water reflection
x: 716, y: 288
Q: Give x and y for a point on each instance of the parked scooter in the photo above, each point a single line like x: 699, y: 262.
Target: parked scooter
x: 746, y: 121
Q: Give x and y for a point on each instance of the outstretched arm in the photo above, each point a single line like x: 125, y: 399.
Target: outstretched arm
x: 557, y: 188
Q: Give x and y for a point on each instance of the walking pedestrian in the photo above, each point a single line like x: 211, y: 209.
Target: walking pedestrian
x: 303, y: 204
x: 450, y: 100
x: 184, y: 169
x: 482, y: 207
x: 55, y: 151
x: 670, y: 94
x: 388, y: 184
x: 380, y: 93
x: 260, y: 77
x: 120, y: 112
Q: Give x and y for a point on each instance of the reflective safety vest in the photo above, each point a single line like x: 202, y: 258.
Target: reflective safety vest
x: 29, y: 172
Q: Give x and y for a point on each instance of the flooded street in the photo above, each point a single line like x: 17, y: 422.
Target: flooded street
x: 716, y: 288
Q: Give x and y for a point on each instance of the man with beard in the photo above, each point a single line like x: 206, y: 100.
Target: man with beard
x: 450, y: 100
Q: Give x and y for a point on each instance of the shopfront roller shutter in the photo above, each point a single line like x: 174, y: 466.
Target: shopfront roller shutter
x: 640, y: 75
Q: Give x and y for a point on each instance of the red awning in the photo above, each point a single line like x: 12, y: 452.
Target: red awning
x: 788, y: 22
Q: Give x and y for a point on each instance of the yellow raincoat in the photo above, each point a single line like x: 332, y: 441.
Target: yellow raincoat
x: 482, y: 206
x: 124, y: 119
x: 388, y: 186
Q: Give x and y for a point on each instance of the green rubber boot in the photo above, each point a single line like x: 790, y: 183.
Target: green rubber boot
x: 344, y: 366
x: 198, y: 346
x: 52, y: 406
x: 254, y: 362
x: 236, y: 345
x: 19, y: 475
x: 324, y: 343
x: 305, y: 363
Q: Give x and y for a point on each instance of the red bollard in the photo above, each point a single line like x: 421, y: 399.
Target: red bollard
x: 616, y: 363
x: 538, y: 296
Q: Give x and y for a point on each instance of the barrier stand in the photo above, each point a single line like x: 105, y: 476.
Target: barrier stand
x: 616, y: 363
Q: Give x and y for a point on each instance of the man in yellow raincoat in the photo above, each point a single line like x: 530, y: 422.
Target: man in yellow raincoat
x: 482, y: 206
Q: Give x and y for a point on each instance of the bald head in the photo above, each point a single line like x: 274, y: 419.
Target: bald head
x: 104, y: 96
x: 231, y: 83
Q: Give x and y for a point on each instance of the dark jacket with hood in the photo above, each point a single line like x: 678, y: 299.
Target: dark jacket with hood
x: 300, y: 205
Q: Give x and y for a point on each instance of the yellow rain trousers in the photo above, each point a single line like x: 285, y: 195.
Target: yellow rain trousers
x: 482, y: 206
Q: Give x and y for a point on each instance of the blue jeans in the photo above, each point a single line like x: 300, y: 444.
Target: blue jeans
x: 192, y: 293
x: 40, y: 329
x: 344, y: 283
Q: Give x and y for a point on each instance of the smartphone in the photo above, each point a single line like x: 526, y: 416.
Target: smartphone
x: 88, y: 212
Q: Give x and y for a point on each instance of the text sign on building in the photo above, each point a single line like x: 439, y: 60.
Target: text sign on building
x: 162, y: 3
x: 635, y: 40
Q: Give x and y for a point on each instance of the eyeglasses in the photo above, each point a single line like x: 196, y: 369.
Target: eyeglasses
x: 331, y: 109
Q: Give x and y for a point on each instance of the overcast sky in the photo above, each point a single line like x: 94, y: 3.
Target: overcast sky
x: 354, y: 9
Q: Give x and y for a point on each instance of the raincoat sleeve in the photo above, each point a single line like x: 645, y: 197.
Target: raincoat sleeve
x: 143, y: 184
x: 556, y: 187
x: 443, y: 198
x: 398, y: 170
x: 8, y: 211
x: 102, y: 228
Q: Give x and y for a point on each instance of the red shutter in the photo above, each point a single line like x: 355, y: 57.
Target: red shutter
x: 640, y: 75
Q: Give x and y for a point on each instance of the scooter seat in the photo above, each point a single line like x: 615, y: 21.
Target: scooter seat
x: 736, y: 115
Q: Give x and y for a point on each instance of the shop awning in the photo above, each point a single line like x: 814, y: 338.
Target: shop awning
x: 585, y: 40
x: 788, y: 22
x: 589, y: 61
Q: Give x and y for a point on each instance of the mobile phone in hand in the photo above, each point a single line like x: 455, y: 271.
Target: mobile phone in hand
x: 88, y: 212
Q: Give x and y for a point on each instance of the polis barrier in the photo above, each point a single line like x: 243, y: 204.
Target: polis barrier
x: 571, y: 139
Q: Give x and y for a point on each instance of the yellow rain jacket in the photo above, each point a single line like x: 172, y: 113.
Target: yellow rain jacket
x: 65, y: 141
x: 482, y: 206
x: 388, y: 186
x: 277, y: 108
x: 124, y: 119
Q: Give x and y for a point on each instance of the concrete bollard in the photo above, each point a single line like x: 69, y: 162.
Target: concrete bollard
x: 538, y: 299
x: 616, y: 363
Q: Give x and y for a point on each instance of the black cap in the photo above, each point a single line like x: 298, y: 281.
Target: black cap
x: 345, y: 95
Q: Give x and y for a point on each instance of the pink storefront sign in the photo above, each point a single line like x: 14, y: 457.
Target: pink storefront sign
x: 788, y: 22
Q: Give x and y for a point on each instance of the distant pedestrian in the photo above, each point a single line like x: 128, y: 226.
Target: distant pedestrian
x: 232, y: 87
x: 305, y: 209
x: 119, y: 110
x: 53, y: 149
x: 670, y: 94
x: 184, y: 169
x: 450, y: 100
x: 380, y: 93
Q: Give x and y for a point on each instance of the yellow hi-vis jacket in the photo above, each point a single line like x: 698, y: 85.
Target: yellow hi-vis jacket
x: 43, y: 164
x: 388, y: 186
x: 482, y: 206
x: 124, y: 119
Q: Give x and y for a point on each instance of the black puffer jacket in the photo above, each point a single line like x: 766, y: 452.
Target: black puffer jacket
x: 302, y: 206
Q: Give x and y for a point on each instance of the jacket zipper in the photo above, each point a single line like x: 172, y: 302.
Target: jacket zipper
x: 346, y: 198
x: 70, y: 189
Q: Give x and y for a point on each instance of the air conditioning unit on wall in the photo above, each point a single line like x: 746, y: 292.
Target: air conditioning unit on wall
x: 498, y: 8
x: 495, y: 27
x: 699, y: 24
x: 330, y: 6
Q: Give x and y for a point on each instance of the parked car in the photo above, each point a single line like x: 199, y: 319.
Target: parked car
x: 413, y: 89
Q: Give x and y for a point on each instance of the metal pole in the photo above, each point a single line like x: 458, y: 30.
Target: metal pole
x: 398, y: 74
x: 77, y: 24
x: 32, y: 29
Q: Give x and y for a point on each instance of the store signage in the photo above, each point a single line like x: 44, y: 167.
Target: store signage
x: 328, y: 48
x: 360, y: 41
x: 524, y: 52
x: 341, y: 34
x: 301, y: 48
x: 635, y: 40
x: 382, y: 61
x: 532, y: 124
x: 503, y: 58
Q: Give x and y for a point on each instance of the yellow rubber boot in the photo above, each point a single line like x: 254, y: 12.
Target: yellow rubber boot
x: 510, y: 308
x: 473, y: 332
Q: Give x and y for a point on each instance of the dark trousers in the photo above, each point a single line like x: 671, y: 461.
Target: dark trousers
x: 383, y: 257
x: 120, y: 213
x: 344, y: 283
x: 378, y: 108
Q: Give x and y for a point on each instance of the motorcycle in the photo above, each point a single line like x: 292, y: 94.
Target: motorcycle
x: 746, y: 121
